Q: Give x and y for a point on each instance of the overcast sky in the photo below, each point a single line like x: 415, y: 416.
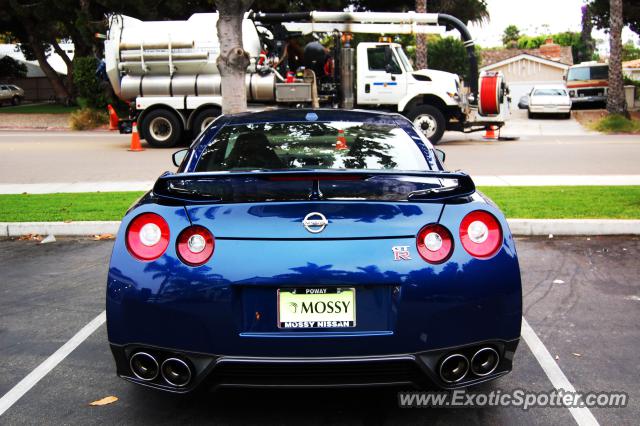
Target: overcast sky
x: 534, y: 17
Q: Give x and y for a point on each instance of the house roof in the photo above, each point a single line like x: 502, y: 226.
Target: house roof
x: 33, y: 70
x: 525, y: 56
x: 561, y: 54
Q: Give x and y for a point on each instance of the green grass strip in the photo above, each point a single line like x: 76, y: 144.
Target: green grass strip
x: 38, y: 109
x: 531, y: 202
x: 67, y: 206
x: 567, y: 202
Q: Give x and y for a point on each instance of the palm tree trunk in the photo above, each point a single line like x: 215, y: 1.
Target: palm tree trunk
x: 615, y: 98
x: 421, y: 39
x: 233, y: 60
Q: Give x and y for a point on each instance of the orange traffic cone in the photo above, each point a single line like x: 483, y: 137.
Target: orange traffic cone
x: 135, y: 139
x: 341, y: 142
x: 490, y: 133
x: 113, y: 118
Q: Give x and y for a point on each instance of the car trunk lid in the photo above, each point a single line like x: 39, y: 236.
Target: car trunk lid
x: 313, y: 204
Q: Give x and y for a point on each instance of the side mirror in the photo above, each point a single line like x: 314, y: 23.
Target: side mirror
x: 178, y: 156
x: 441, y: 155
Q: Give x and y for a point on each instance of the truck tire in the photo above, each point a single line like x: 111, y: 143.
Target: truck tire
x: 162, y: 128
x: 203, y: 118
x: 430, y: 120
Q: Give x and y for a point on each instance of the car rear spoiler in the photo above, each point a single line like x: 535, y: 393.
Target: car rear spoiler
x: 313, y: 185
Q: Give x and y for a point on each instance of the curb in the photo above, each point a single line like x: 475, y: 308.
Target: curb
x: 519, y: 227
x: 16, y: 229
x: 568, y: 227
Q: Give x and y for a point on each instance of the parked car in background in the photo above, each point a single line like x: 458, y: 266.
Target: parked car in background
x: 587, y: 83
x: 549, y: 99
x: 11, y: 93
x: 523, y: 103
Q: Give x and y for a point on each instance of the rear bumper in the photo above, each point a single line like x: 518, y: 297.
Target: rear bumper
x: 419, y: 370
x: 588, y: 99
x: 550, y: 109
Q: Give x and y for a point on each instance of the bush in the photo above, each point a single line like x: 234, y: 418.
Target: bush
x: 87, y: 118
x: 91, y: 90
x: 448, y: 54
x: 615, y: 123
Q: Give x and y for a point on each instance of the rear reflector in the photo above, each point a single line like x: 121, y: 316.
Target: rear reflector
x: 147, y: 236
x: 480, y: 234
x: 434, y: 243
x: 195, y: 245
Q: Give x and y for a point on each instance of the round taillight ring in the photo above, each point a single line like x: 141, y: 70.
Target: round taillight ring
x: 147, y: 236
x: 481, y: 234
x: 434, y: 243
x: 195, y: 245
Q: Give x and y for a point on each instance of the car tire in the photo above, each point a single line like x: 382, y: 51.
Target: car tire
x: 161, y: 128
x: 567, y: 115
x: 203, y: 119
x: 430, y: 120
x: 16, y: 100
x: 529, y: 113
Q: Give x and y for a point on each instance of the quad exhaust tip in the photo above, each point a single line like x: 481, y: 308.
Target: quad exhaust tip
x: 454, y: 368
x: 176, y: 372
x: 144, y: 366
x: 485, y: 361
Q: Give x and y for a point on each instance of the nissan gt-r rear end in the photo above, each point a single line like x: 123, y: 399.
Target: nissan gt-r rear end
x: 313, y: 248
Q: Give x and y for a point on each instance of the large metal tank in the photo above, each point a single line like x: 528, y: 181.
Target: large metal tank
x: 160, y: 55
x: 259, y: 87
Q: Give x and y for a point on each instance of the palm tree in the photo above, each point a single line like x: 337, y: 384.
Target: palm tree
x: 615, y: 98
x: 421, y: 39
x: 233, y: 60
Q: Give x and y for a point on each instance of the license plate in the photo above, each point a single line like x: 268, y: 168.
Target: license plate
x: 317, y: 307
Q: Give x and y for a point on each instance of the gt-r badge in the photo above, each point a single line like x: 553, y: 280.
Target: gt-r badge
x: 315, y: 222
x: 401, y: 253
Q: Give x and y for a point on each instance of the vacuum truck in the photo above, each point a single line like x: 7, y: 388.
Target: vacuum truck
x: 166, y: 71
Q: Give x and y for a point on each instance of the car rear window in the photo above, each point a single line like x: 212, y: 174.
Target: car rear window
x: 312, y: 145
x: 550, y: 92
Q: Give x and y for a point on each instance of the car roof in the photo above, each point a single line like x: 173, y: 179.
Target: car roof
x: 275, y: 115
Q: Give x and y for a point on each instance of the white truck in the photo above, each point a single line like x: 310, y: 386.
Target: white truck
x: 167, y: 72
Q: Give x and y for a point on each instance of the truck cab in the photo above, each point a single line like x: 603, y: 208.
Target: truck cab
x: 385, y: 77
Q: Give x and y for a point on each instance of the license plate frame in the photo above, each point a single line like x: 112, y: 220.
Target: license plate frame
x: 316, y: 295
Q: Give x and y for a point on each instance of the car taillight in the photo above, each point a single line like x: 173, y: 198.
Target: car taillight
x: 195, y: 245
x: 434, y: 243
x: 480, y: 234
x: 147, y: 236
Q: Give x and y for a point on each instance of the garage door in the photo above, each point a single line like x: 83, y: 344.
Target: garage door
x: 520, y: 88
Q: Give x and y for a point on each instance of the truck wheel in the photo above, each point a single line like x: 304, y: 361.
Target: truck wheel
x: 162, y: 128
x: 16, y: 100
x: 429, y: 120
x: 203, y: 119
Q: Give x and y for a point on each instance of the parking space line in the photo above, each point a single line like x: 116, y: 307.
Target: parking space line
x: 582, y: 415
x: 49, y: 364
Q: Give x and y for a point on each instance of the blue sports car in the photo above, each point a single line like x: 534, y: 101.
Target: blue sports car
x: 313, y: 248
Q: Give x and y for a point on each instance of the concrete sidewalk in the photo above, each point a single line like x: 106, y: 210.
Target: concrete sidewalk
x: 511, y: 180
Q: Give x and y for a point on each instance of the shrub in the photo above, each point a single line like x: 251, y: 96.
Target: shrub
x: 615, y: 123
x: 91, y: 90
x: 87, y: 118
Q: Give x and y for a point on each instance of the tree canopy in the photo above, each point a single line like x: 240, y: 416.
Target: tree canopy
x: 631, y: 14
x: 510, y: 36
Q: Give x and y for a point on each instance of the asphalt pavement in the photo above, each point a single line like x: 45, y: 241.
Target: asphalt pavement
x: 581, y: 297
x: 546, y: 146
